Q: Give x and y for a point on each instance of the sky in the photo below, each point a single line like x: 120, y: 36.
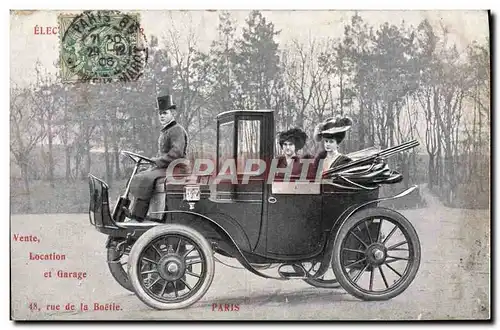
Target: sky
x: 26, y: 47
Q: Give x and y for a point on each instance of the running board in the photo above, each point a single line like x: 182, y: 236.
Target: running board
x: 134, y: 224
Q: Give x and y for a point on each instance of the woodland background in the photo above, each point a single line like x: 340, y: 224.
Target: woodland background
x: 396, y: 82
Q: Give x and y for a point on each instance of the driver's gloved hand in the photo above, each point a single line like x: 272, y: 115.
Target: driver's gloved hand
x: 145, y: 168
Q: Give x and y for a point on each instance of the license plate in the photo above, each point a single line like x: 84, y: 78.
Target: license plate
x: 192, y: 193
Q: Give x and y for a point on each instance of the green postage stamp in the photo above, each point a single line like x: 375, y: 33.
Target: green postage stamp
x: 101, y: 46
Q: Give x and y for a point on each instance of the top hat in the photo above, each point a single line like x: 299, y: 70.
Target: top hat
x: 332, y: 127
x: 165, y: 103
x: 296, y: 135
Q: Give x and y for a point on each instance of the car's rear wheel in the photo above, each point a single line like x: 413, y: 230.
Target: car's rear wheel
x: 171, y: 266
x: 387, y: 265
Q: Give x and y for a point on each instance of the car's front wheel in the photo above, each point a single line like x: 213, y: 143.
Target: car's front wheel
x: 171, y: 266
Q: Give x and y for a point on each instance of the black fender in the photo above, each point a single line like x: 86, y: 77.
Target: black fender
x: 241, y: 257
x: 211, y: 229
x: 327, y: 257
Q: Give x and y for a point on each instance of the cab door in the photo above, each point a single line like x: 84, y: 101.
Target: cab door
x: 240, y: 192
x: 294, y: 219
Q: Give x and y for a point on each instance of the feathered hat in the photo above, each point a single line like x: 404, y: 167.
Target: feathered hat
x: 165, y: 103
x: 296, y: 135
x: 331, y: 127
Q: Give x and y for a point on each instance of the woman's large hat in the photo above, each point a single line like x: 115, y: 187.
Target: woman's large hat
x: 332, y: 126
x: 165, y: 103
x: 296, y: 135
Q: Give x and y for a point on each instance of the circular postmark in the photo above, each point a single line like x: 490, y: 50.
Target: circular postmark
x: 102, y: 46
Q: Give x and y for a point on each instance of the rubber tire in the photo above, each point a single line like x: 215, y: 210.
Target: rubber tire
x: 351, y: 223
x: 171, y: 229
x: 117, y: 271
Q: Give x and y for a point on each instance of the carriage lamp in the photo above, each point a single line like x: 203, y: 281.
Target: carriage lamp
x: 191, y: 195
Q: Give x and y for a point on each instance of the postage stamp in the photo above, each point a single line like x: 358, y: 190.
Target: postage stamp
x: 101, y: 46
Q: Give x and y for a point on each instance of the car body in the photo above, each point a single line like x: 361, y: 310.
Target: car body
x: 254, y: 219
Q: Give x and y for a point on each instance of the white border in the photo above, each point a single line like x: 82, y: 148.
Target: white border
x: 192, y: 4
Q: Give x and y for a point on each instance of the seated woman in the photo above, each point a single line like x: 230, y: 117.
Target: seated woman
x: 330, y: 134
x: 291, y: 142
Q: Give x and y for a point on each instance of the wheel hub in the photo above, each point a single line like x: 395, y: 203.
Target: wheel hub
x: 376, y: 254
x: 171, y: 267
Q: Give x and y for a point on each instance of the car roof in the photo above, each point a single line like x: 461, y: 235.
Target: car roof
x: 243, y: 112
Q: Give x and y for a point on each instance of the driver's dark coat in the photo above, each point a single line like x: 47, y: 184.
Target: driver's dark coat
x: 172, y: 144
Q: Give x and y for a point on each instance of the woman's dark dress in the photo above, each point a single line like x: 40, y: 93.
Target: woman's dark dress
x: 340, y: 160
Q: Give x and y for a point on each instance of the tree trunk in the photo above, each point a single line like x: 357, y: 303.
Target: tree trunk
x: 88, y: 159
x: 78, y: 160
x: 414, y: 163
x: 361, y: 124
x: 116, y: 156
x: 371, y: 124
x: 341, y: 94
x: 200, y: 132
x: 116, y: 153
x: 431, y: 171
x: 24, y: 175
x: 390, y: 123
x: 135, y: 137
x: 109, y: 170
x: 67, y: 153
x: 153, y: 136
x: 439, y: 167
x: 51, y: 157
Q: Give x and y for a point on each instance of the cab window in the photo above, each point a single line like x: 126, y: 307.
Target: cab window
x: 226, y: 142
x: 249, y: 132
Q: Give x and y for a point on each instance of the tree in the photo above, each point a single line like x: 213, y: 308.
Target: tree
x: 256, y: 64
x: 86, y: 122
x: 355, y: 54
x: 476, y: 126
x: 190, y: 70
x: 302, y: 76
x: 221, y: 79
x: 26, y: 131
x: 47, y: 96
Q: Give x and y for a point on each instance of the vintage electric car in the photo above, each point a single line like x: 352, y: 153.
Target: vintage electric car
x: 296, y: 229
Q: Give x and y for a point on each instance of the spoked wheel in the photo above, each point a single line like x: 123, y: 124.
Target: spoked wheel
x: 171, y: 266
x: 385, y: 248
x: 117, y: 264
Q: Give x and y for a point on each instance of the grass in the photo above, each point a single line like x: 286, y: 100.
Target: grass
x: 64, y: 197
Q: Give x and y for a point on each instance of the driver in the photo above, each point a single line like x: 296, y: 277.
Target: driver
x: 172, y: 144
